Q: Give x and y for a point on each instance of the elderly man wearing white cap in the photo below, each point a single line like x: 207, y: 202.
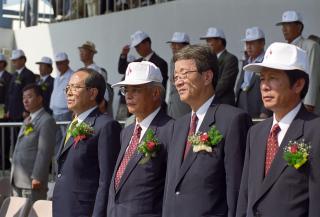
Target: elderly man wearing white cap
x: 58, y: 101
x: 138, y: 181
x: 228, y: 65
x: 5, y: 78
x: 281, y: 173
x: 292, y: 27
x: 21, y: 77
x: 45, y: 81
x: 248, y: 96
x: 176, y: 108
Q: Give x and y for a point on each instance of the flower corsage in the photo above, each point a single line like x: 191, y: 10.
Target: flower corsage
x: 296, y: 153
x: 148, y: 147
x: 28, y: 129
x: 81, y: 132
x: 18, y: 80
x: 205, y: 141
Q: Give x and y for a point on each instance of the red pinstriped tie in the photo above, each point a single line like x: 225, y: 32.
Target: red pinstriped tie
x: 272, y: 147
x: 192, y: 130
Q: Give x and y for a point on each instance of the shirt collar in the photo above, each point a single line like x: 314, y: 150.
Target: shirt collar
x: 1, y: 73
x: 258, y: 59
x: 201, y: 112
x: 285, y: 122
x: 219, y: 54
x: 148, y: 57
x: 145, y: 123
x: 65, y: 74
x: 85, y: 114
x: 20, y: 70
x: 35, y: 114
x: 295, y: 41
x: 43, y: 78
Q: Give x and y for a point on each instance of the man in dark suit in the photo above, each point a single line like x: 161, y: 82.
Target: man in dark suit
x: 207, y: 148
x: 142, y: 43
x: 248, y: 96
x: 5, y: 78
x: 46, y: 81
x: 34, y: 148
x: 89, y: 151
x: 272, y: 183
x: 20, y: 79
x: 138, y: 182
x: 228, y: 66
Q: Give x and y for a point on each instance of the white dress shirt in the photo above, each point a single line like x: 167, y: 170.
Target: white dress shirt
x: 202, y: 111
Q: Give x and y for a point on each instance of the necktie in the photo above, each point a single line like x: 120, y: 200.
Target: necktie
x: 128, y: 154
x: 73, y: 124
x: 192, y: 130
x: 272, y: 147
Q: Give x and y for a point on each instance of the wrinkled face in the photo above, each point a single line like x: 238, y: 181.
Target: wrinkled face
x: 215, y: 44
x: 139, y: 98
x: 176, y: 46
x: 85, y: 54
x: 44, y: 69
x: 31, y: 101
x: 18, y: 63
x: 79, y: 97
x: 254, y: 48
x: 291, y: 31
x: 277, y: 95
x: 189, y: 83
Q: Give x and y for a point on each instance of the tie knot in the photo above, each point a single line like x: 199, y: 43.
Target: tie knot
x: 275, y: 129
x: 194, y: 117
x: 138, y: 129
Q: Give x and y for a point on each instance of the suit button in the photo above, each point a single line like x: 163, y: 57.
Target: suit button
x: 59, y: 175
x: 177, y: 192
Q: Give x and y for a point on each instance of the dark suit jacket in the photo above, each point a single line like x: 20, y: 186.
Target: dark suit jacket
x: 4, y: 87
x: 155, y: 59
x: 85, y: 171
x: 206, y: 184
x: 228, y: 71
x: 47, y: 87
x: 250, y: 100
x: 140, y: 192
x: 285, y: 191
x: 18, y: 82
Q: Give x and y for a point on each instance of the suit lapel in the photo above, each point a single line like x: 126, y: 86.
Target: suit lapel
x: 33, y: 122
x: 207, y: 122
x: 295, y: 131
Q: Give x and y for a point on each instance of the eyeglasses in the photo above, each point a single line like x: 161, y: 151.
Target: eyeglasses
x: 183, y: 76
x: 132, y: 90
x: 73, y: 88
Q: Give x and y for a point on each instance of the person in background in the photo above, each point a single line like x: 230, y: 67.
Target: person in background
x: 34, y: 148
x: 45, y: 81
x: 5, y: 78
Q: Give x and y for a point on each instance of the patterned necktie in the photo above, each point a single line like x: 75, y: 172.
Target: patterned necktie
x: 272, y: 147
x: 128, y: 154
x: 192, y: 130
x: 73, y: 124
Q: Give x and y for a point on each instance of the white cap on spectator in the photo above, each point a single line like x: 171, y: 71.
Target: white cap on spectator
x: 179, y: 37
x: 45, y: 60
x: 290, y: 16
x: 61, y: 56
x: 281, y: 56
x: 16, y: 54
x: 141, y: 73
x: 214, y: 33
x: 3, y: 58
x: 253, y: 33
x: 137, y: 37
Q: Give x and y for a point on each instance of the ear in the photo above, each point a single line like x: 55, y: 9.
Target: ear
x: 93, y: 93
x: 299, y: 85
x: 156, y: 93
x: 208, y: 77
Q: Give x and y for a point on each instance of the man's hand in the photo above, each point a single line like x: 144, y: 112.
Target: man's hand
x: 125, y: 50
x: 36, y: 184
x: 310, y: 108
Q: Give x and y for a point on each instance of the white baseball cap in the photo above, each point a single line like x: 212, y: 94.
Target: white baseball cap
x: 141, y: 73
x: 281, y: 56
x: 137, y: 37
x: 3, y: 57
x: 253, y: 33
x: 60, y: 56
x: 290, y: 16
x: 214, y: 33
x: 45, y: 60
x: 179, y: 37
x: 16, y: 54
